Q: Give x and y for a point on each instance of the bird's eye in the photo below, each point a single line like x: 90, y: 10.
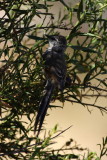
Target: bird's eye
x: 53, y: 38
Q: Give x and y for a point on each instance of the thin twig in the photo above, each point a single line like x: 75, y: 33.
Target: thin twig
x: 61, y: 132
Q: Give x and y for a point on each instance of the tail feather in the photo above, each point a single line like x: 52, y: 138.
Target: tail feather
x: 43, y: 108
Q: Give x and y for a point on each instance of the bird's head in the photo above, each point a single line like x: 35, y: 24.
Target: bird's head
x: 57, y: 41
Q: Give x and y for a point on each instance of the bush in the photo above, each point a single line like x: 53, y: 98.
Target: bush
x: 22, y: 26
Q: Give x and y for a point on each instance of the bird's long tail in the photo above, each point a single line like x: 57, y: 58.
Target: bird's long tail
x: 43, y: 107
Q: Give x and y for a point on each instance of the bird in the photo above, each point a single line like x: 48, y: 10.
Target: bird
x: 55, y: 73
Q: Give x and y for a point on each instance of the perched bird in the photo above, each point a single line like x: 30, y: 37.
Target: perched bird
x: 55, y: 73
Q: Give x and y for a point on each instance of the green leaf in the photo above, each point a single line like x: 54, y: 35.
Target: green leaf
x: 87, y: 77
x: 39, y: 6
x: 44, y: 13
x: 80, y: 10
x: 35, y: 37
x: 85, y: 49
x: 21, y: 11
x: 102, y: 81
x: 72, y: 156
x: 89, y: 34
x: 36, y: 152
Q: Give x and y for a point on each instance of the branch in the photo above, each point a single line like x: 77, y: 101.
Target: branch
x: 102, y: 109
x: 53, y: 27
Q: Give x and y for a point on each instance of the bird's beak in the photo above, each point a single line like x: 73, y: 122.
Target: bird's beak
x: 49, y: 36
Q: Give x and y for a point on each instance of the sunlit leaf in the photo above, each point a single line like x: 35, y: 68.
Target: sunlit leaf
x: 80, y: 10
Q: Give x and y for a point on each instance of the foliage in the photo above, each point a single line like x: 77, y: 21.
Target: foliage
x: 22, y: 26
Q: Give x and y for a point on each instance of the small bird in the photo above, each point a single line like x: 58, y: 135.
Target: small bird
x: 55, y: 74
